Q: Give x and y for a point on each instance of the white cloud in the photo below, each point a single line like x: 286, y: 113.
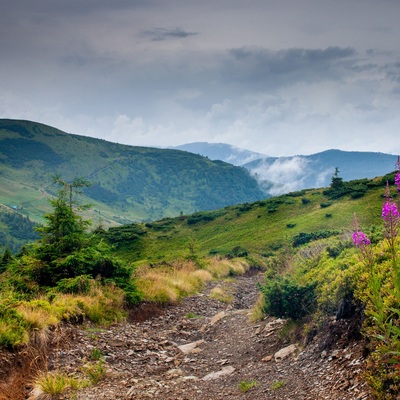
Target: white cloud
x: 285, y: 175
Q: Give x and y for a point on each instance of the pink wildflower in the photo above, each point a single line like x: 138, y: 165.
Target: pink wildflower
x: 360, y: 239
x: 397, y: 181
x: 390, y: 212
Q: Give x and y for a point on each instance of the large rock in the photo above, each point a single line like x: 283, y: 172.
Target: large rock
x: 285, y: 352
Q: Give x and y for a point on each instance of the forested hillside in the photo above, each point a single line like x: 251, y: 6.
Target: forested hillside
x: 16, y: 230
x: 128, y: 183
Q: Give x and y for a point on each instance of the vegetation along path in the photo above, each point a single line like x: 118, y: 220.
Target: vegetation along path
x: 207, y: 348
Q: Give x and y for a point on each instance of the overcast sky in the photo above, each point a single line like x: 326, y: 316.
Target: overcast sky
x: 280, y: 77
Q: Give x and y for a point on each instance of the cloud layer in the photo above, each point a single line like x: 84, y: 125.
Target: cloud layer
x: 279, y: 78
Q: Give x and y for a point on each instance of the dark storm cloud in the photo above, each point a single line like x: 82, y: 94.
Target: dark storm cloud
x: 283, y: 67
x: 158, y: 34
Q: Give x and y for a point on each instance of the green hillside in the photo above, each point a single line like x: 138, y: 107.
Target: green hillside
x: 257, y: 229
x: 315, y: 274
x: 128, y: 183
x: 16, y: 230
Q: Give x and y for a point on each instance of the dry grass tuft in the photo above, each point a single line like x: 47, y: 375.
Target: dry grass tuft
x: 220, y: 294
x: 257, y: 313
x: 221, y: 268
x: 50, y: 385
x: 170, y: 284
x: 36, y: 318
x: 165, y: 285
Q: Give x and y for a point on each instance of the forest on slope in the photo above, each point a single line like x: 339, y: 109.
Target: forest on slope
x: 128, y: 183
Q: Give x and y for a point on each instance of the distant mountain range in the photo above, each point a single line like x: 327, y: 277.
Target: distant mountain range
x: 129, y: 183
x: 278, y: 175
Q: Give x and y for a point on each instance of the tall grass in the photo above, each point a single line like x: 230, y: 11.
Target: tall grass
x: 50, y: 385
x: 22, y: 321
x: 170, y: 284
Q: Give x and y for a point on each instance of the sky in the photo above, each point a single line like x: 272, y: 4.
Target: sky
x: 279, y: 77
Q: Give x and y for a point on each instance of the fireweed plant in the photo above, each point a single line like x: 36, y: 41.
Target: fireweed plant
x: 362, y: 242
x: 383, y: 304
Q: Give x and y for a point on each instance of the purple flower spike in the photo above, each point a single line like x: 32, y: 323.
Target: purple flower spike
x: 390, y: 212
x: 397, y: 181
x: 360, y: 239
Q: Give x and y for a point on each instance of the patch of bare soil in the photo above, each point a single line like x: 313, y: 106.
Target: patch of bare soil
x: 205, y: 349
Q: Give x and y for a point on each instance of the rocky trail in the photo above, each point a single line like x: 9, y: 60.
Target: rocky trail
x: 205, y: 349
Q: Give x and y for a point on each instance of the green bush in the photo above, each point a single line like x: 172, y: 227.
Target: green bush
x: 284, y: 298
x: 303, y: 238
x: 78, y: 285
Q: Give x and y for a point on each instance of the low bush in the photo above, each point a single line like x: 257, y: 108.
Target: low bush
x: 285, y: 298
x: 304, y: 238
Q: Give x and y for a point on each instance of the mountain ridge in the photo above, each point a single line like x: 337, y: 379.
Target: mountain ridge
x: 129, y: 183
x: 279, y: 175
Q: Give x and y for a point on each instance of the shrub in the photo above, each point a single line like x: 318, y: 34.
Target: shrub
x: 303, y: 238
x: 358, y: 194
x: 284, y: 298
x: 12, y: 333
x: 79, y: 284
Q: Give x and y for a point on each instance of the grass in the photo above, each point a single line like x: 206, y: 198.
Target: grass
x: 245, y: 386
x: 22, y: 321
x: 220, y: 294
x: 277, y: 385
x: 257, y: 313
x: 95, y: 354
x: 169, y: 284
x: 253, y: 229
x: 95, y: 372
x: 49, y: 385
x: 191, y: 315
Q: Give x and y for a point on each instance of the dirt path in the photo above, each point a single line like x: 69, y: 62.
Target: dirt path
x: 207, y: 349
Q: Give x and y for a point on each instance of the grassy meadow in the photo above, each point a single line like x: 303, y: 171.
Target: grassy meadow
x: 302, y: 240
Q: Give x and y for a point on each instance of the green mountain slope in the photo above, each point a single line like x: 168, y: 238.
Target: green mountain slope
x: 16, y: 230
x: 128, y: 183
x: 258, y: 229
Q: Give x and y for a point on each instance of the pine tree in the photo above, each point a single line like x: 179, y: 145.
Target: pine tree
x: 65, y: 228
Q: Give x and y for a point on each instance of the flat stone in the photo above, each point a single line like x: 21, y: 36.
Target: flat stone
x: 285, y: 352
x: 190, y: 347
x: 187, y: 378
x: 217, y: 317
x: 215, y: 375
